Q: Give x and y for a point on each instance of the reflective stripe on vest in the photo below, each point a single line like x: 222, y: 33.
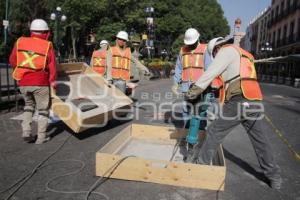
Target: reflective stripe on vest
x: 32, y: 56
x: 99, y: 61
x: 249, y: 85
x: 192, y: 63
x: 121, y: 63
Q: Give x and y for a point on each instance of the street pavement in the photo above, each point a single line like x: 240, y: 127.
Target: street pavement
x: 243, y: 178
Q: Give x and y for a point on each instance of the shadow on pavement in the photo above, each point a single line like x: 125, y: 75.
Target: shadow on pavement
x: 245, y: 166
x: 60, y: 127
x: 95, y: 131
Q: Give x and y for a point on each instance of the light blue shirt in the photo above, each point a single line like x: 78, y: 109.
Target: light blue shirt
x: 207, y: 60
x: 185, y: 85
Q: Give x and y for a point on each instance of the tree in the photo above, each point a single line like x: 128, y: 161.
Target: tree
x: 107, y: 17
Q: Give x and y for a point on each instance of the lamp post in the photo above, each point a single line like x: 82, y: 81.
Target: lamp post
x: 164, y: 54
x: 131, y: 33
x: 58, y: 17
x: 266, y: 48
x: 150, y: 30
x: 5, y: 23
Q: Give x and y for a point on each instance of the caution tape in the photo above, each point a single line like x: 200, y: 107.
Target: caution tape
x: 280, y: 135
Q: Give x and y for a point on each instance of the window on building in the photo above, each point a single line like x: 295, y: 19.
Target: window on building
x: 288, y: 3
x: 298, y: 30
x: 278, y: 36
x: 273, y: 38
x: 281, y: 7
x: 291, y: 32
x: 284, y: 33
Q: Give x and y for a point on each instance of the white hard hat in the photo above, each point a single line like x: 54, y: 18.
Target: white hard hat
x: 39, y: 25
x: 191, y: 36
x: 104, y: 42
x: 226, y: 40
x: 123, y: 35
x: 212, y: 43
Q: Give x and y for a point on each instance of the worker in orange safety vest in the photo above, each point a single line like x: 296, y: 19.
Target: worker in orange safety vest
x: 98, y: 60
x: 242, y: 99
x: 121, y: 64
x: 33, y: 60
x: 189, y: 68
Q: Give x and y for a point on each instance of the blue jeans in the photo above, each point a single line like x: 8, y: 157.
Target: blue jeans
x: 221, y: 127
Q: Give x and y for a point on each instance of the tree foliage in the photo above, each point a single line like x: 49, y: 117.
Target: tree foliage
x: 107, y: 17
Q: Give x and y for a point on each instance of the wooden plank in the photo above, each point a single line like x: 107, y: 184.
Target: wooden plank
x: 65, y: 112
x: 163, y: 133
x: 78, y: 120
x: 111, y: 89
x: 157, y: 171
x: 65, y: 67
x: 162, y: 172
x: 118, y: 141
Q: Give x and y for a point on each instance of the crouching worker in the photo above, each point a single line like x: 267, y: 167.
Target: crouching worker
x: 242, y: 93
x: 33, y: 60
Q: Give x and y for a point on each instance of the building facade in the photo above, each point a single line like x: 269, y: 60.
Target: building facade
x: 276, y: 33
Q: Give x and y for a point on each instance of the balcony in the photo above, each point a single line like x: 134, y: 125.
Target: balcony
x: 293, y: 38
x: 294, y: 6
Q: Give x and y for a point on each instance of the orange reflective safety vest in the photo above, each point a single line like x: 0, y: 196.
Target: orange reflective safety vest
x: 249, y: 84
x: 218, y: 84
x: 121, y: 62
x: 192, y: 63
x: 32, y: 56
x: 99, y: 61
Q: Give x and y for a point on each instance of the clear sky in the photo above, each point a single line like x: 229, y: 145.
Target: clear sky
x: 244, y: 9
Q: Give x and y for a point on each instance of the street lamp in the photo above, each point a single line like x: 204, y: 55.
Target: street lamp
x: 266, y: 47
x: 58, y: 17
x: 132, y: 33
x: 150, y: 30
x: 164, y: 54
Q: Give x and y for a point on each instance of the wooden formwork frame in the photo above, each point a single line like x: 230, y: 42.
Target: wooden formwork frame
x: 209, y: 177
x: 74, y: 118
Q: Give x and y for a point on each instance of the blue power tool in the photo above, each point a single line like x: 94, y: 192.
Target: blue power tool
x: 192, y: 137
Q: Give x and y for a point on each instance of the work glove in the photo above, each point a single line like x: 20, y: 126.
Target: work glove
x: 193, y: 93
x: 131, y: 85
x: 175, y: 88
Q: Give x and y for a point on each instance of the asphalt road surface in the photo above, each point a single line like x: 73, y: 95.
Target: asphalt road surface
x: 243, y: 178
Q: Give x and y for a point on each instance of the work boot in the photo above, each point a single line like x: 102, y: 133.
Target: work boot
x: 42, y: 138
x: 276, y: 183
x: 30, y: 138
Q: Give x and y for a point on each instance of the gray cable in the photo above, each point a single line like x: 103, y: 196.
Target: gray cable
x: 109, y: 171
x: 25, y: 178
x: 47, y: 185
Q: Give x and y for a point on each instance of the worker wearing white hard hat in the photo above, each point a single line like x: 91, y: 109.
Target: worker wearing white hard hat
x: 33, y: 60
x: 98, y: 61
x: 241, y: 91
x: 189, y: 66
x: 121, y: 64
x: 104, y: 43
